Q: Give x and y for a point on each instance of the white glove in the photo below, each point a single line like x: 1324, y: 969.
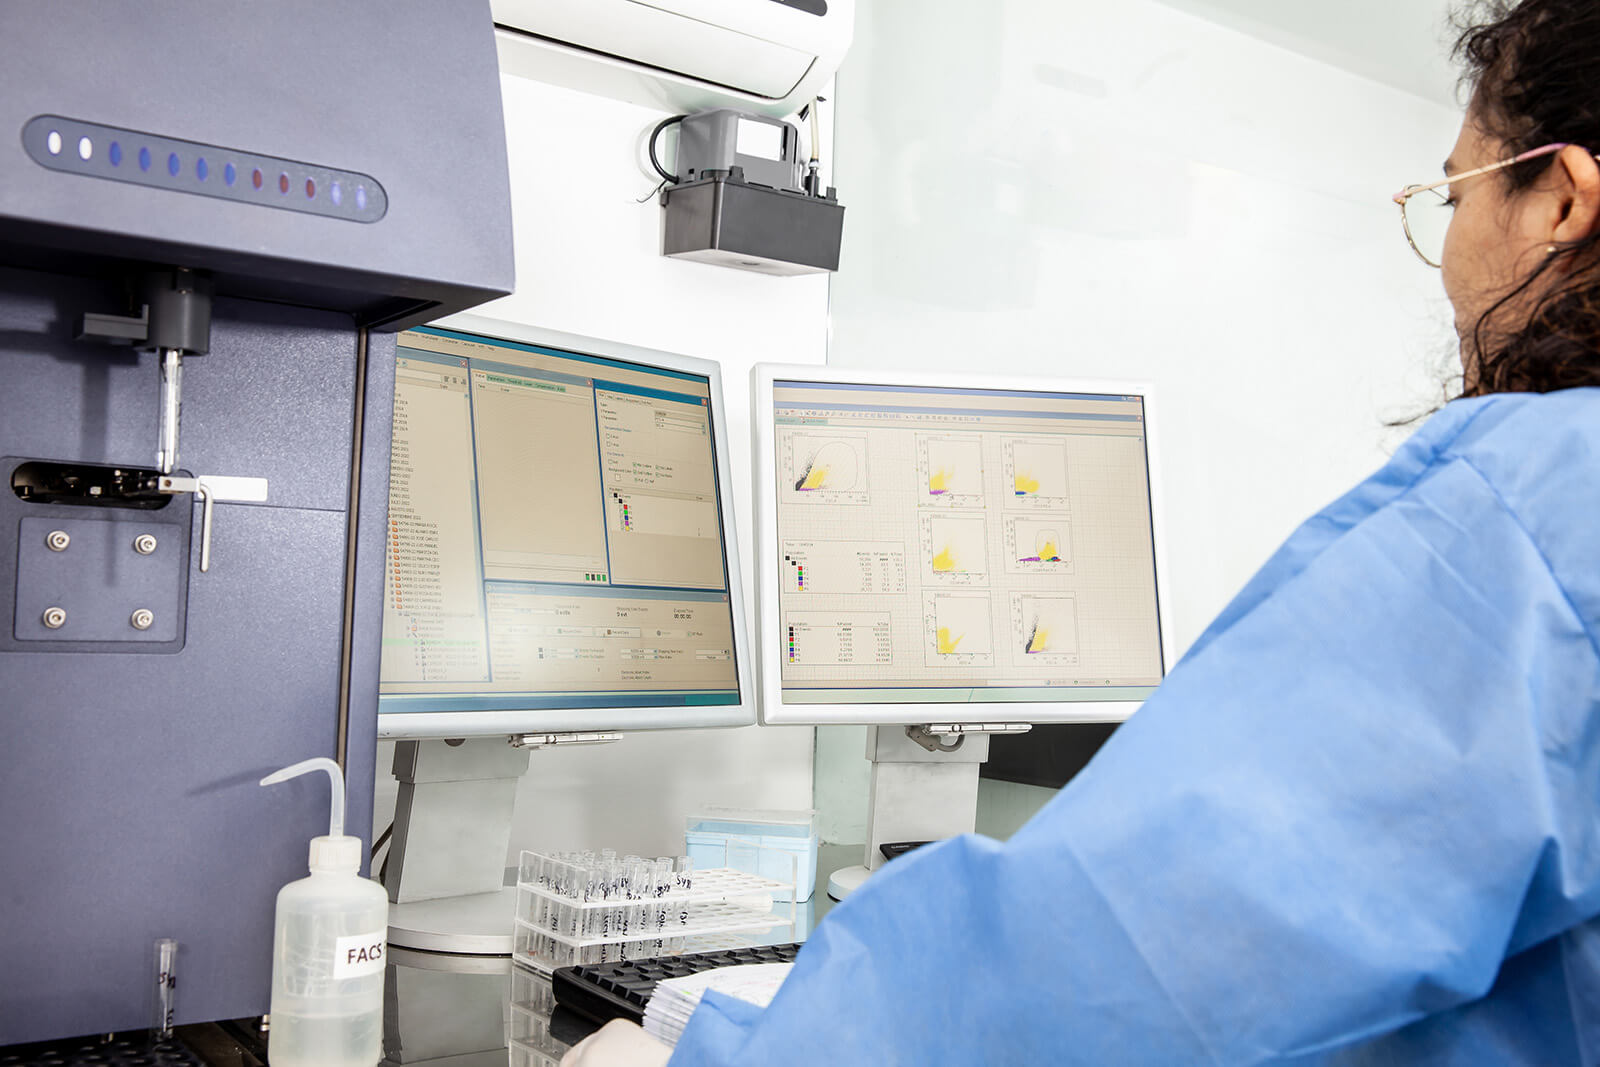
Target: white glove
x: 618, y: 1043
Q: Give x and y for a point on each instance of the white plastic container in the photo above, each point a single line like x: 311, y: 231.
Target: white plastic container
x: 755, y: 841
x: 328, y: 947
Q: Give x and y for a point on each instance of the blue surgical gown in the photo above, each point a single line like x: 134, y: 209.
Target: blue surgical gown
x: 1357, y: 824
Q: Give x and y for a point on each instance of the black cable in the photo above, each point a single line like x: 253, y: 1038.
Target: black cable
x: 655, y: 133
x: 376, y: 845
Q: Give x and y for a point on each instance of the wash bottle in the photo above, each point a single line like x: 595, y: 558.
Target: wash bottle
x: 328, y: 945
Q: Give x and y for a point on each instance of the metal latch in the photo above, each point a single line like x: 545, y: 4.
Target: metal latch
x: 549, y: 740
x: 928, y: 736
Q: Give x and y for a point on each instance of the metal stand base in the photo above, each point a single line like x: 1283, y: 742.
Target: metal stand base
x: 921, y: 792
x: 924, y: 788
x: 475, y: 925
x: 446, y: 870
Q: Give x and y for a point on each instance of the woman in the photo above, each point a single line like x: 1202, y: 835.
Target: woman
x: 1359, y: 821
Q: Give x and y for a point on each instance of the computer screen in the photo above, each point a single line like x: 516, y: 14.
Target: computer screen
x: 561, y: 553
x: 954, y: 550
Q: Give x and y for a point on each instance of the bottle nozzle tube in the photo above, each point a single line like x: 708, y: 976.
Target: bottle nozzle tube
x: 335, y: 778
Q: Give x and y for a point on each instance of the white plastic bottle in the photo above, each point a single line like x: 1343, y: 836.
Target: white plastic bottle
x: 328, y: 948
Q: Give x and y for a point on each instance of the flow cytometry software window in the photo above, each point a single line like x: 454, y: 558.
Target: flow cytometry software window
x: 554, y: 526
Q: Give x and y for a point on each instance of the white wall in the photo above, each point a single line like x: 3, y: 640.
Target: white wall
x: 1072, y: 188
x: 1033, y: 187
x: 589, y: 262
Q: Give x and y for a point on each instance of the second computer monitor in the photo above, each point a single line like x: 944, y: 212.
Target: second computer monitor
x: 960, y: 550
x: 561, y: 555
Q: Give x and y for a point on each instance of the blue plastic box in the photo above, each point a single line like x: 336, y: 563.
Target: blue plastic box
x: 708, y: 835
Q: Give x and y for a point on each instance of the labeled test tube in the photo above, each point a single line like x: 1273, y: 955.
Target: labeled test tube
x: 166, y: 985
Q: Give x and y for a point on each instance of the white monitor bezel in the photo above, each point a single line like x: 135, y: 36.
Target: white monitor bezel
x: 774, y: 712
x: 432, y: 724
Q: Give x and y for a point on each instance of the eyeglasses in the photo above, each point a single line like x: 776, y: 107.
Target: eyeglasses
x: 1425, y: 211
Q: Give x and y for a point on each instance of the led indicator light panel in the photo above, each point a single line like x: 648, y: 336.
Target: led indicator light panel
x: 99, y: 151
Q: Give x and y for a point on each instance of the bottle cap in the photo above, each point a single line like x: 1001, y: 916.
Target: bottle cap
x: 339, y: 855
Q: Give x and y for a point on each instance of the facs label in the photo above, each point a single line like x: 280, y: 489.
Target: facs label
x: 358, y: 955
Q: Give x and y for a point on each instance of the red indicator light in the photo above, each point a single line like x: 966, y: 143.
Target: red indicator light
x: 255, y: 177
x: 283, y: 183
x: 311, y: 189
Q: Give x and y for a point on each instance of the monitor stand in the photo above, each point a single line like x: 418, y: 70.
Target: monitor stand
x: 446, y: 870
x: 924, y: 788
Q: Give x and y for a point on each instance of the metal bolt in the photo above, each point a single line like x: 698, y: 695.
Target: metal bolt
x: 55, y: 618
x: 144, y: 544
x: 58, y: 540
x: 142, y: 619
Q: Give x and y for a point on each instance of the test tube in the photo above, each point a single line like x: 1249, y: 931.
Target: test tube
x: 643, y: 885
x: 663, y: 875
x: 166, y: 985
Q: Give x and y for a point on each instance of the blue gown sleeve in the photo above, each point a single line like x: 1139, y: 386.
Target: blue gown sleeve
x: 1370, y: 783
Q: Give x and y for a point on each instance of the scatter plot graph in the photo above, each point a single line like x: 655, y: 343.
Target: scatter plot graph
x: 948, y: 641
x: 1036, y: 471
x: 824, y: 469
x: 950, y: 472
x: 954, y: 549
x: 1046, y: 547
x: 832, y: 467
x: 958, y: 630
x: 1039, y: 546
x: 1044, y: 629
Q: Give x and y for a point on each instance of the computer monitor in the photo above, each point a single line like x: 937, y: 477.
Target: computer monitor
x: 955, y: 549
x: 946, y: 558
x: 561, y: 566
x: 561, y: 545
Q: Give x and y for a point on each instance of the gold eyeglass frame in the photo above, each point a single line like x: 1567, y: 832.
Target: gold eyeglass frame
x: 1409, y: 191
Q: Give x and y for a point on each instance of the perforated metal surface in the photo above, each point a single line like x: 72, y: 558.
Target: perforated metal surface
x: 94, y: 1052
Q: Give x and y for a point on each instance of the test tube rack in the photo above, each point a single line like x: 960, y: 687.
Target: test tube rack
x: 528, y: 1036
x: 555, y: 929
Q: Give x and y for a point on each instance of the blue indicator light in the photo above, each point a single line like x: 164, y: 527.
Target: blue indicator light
x: 229, y: 173
x: 144, y: 159
x: 336, y: 194
x: 174, y: 164
x: 201, y: 169
x: 114, y: 153
x: 361, y: 198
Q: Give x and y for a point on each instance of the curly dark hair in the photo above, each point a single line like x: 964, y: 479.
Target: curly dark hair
x: 1533, y: 68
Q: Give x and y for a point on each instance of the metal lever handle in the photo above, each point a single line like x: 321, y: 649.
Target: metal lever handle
x: 211, y: 488
x: 204, y: 493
